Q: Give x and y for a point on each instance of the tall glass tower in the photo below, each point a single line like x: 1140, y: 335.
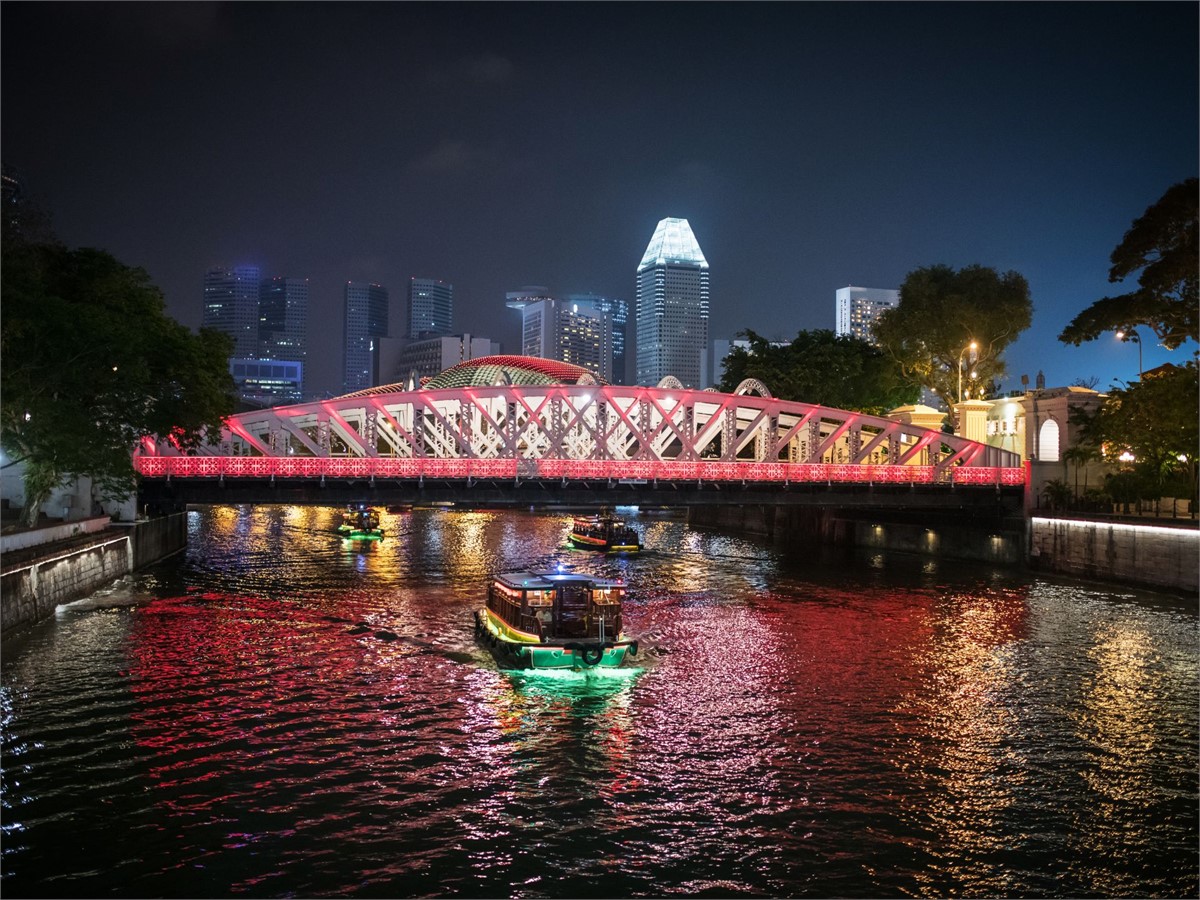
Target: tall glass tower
x: 430, y: 307
x: 283, y: 318
x: 672, y: 306
x: 231, y: 306
x: 366, y: 321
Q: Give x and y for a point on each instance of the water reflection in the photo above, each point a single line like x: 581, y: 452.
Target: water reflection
x: 282, y: 712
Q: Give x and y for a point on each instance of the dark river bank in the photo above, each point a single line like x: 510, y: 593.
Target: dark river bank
x: 797, y: 724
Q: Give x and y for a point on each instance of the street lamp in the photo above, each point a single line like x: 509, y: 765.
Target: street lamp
x: 1131, y: 334
x: 973, y: 347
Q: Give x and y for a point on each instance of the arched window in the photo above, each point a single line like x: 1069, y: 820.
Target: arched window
x: 1048, y: 441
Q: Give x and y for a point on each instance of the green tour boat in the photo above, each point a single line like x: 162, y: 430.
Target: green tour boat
x: 554, y: 620
x: 360, y: 523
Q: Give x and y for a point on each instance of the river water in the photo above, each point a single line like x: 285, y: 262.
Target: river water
x: 798, y: 724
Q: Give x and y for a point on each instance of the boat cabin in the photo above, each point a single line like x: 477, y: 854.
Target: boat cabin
x: 360, y: 521
x: 604, y: 532
x: 558, y: 605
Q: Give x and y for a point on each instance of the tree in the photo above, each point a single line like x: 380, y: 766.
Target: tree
x: 1151, y: 426
x: 823, y: 368
x: 90, y: 364
x: 1057, y: 493
x: 1162, y: 244
x: 941, y: 312
x: 1079, y: 456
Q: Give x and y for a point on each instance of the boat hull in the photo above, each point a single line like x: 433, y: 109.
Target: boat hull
x: 584, y: 542
x: 351, y: 534
x: 518, y: 650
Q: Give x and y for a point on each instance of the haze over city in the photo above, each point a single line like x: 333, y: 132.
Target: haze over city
x: 811, y: 146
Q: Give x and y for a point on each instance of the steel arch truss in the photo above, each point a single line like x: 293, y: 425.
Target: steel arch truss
x: 583, y: 432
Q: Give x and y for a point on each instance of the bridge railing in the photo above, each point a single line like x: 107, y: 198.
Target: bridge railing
x: 398, y: 468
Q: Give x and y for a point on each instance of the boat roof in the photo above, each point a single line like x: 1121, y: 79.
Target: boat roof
x: 540, y: 581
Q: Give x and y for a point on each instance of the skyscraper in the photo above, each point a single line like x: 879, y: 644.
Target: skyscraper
x: 856, y: 310
x: 529, y: 301
x: 283, y: 327
x: 430, y: 307
x: 618, y: 311
x: 366, y: 320
x: 231, y: 306
x: 672, y: 306
x: 577, y: 333
x: 283, y: 319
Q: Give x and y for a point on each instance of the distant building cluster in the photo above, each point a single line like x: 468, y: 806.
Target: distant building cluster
x: 664, y: 333
x: 581, y: 329
x: 267, y: 322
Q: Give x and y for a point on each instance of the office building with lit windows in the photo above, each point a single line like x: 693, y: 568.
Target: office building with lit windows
x: 572, y: 332
x: 364, y: 323
x: 267, y: 382
x: 231, y: 306
x: 618, y: 312
x: 430, y: 307
x: 857, y: 309
x: 672, y: 306
x: 283, y: 319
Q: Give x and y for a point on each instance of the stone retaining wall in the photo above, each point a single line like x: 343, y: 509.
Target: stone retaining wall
x: 1145, y: 555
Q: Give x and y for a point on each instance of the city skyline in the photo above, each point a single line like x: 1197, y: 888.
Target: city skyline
x: 812, y: 146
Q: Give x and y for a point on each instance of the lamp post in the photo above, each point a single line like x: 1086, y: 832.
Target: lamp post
x: 1131, y: 334
x: 973, y: 346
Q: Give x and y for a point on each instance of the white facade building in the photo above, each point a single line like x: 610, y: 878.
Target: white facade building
x: 857, y: 309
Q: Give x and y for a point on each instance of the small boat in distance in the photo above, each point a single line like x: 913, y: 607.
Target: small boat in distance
x: 604, y: 532
x: 360, y: 523
x: 554, y: 620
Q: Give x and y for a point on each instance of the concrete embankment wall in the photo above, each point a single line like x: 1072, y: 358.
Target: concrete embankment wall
x: 38, y: 579
x: 157, y: 538
x: 1127, y: 553
x: 30, y: 591
x: 949, y: 535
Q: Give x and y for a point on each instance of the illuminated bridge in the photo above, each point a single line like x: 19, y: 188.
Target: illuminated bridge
x: 522, y: 430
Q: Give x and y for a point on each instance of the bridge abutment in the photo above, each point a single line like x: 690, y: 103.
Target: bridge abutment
x: 952, y: 534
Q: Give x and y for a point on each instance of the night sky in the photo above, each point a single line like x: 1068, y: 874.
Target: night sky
x: 811, y: 146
